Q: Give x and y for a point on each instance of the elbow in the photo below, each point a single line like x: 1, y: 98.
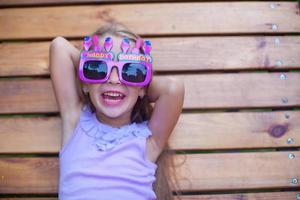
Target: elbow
x: 58, y: 40
x: 176, y: 87
x: 57, y: 43
x: 176, y: 91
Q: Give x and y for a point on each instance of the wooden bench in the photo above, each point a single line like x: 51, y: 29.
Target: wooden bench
x: 239, y: 133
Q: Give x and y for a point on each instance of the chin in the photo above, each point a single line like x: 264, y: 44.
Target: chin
x: 115, y: 113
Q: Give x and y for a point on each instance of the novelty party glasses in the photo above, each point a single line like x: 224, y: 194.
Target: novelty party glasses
x: 134, y: 68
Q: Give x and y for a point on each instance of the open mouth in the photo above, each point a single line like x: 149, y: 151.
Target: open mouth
x: 111, y: 98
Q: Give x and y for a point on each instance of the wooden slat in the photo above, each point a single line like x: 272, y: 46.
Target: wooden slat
x: 241, y: 90
x: 63, y: 2
x: 30, y: 135
x: 17, y: 59
x: 238, y: 90
x: 27, y: 96
x: 38, y: 198
x: 205, y: 53
x: 161, y: 18
x: 245, y: 196
x: 29, y: 175
x: 203, y: 172
x: 236, y: 130
x: 238, y: 171
x: 241, y: 196
x: 201, y: 131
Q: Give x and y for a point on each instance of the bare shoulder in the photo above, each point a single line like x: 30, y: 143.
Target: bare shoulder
x: 69, y: 123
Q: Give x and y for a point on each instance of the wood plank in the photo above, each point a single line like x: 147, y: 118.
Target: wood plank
x: 29, y: 175
x: 38, y: 198
x: 229, y: 90
x: 30, y: 135
x: 4, y: 3
x: 238, y: 171
x: 214, y: 53
x: 196, y: 131
x: 27, y: 96
x: 248, y: 196
x: 23, y: 58
x: 204, y: 131
x: 240, y: 90
x: 203, y: 172
x: 206, y: 18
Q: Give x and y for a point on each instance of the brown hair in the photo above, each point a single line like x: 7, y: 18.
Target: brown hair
x: 142, y: 111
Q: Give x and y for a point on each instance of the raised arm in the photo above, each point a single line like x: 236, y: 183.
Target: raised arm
x: 168, y: 95
x: 63, y: 57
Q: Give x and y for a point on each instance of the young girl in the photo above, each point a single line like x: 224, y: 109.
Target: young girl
x: 112, y: 138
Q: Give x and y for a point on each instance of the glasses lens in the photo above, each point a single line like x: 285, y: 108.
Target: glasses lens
x: 134, y: 72
x: 95, y: 70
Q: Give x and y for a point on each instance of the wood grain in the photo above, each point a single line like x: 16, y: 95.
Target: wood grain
x: 241, y: 90
x: 248, y: 196
x: 195, y: 131
x: 4, y: 3
x: 196, y: 53
x: 228, y: 90
x: 161, y: 19
x: 196, y: 37
x: 20, y: 3
x: 237, y: 170
x: 201, y: 131
x: 203, y: 172
x: 27, y: 96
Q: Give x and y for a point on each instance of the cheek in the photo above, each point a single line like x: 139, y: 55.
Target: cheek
x: 133, y: 95
x: 136, y: 91
x: 93, y: 93
x: 93, y: 99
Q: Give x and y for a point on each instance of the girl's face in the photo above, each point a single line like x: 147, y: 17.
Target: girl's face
x: 113, y: 100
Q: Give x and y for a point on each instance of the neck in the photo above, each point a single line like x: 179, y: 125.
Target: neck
x: 113, y: 122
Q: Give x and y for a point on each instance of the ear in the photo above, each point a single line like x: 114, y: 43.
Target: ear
x: 85, y: 89
x: 142, y: 93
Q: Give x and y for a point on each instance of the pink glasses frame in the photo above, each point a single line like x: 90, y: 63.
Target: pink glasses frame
x: 123, y: 58
x: 119, y: 64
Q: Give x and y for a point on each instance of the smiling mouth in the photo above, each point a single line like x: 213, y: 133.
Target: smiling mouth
x: 112, y: 98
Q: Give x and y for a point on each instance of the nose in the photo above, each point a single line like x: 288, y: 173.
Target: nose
x: 114, y: 77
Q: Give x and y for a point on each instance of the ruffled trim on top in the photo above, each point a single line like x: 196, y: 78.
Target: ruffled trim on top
x: 107, y: 137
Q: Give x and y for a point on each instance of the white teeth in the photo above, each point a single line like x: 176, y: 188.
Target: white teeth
x: 113, y: 94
